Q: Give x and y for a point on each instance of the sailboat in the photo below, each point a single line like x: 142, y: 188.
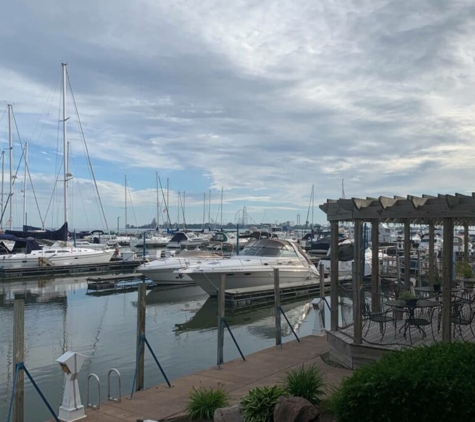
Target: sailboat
x: 64, y: 254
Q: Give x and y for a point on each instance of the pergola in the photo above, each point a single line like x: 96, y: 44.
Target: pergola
x: 446, y: 210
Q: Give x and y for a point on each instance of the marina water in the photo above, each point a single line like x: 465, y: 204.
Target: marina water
x: 181, y: 327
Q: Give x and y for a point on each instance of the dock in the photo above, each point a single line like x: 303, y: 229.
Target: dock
x: 265, y: 294
x: 117, y: 283
x: 267, y: 367
x: 7, y: 274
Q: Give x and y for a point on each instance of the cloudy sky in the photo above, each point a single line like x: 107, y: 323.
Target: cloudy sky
x: 261, y: 99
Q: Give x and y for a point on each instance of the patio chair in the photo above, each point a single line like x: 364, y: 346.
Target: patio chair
x: 417, y: 321
x: 382, y: 318
x: 463, y: 317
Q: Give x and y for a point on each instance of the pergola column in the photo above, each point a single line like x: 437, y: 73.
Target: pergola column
x: 375, y: 280
x: 447, y: 280
x: 334, y: 276
x: 465, y: 241
x: 432, y: 262
x: 358, y: 282
x: 407, y: 254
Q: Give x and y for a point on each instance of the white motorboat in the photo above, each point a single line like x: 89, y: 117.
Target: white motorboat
x: 254, y: 266
x: 187, y: 240
x: 346, y: 254
x: 151, y: 241
x: 162, y: 270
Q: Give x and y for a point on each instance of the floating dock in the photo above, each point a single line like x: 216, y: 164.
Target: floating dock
x: 265, y: 294
x: 116, y: 283
x: 68, y: 270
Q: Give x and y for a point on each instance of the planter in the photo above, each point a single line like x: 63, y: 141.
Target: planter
x: 468, y: 283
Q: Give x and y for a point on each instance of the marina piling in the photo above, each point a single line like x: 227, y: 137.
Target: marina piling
x: 141, y: 316
x: 278, y: 327
x: 18, y: 356
x: 221, y: 311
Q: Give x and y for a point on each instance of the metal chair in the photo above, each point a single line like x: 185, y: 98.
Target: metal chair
x: 463, y: 315
x: 382, y: 318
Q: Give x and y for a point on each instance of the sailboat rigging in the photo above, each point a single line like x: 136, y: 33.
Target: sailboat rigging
x: 58, y: 254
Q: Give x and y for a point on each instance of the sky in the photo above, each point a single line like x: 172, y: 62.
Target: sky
x: 251, y: 103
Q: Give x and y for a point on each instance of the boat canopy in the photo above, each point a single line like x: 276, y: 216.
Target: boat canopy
x: 60, y: 234
x: 26, y: 244
x: 269, y: 247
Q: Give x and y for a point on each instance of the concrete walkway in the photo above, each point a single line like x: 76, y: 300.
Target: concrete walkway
x: 266, y: 367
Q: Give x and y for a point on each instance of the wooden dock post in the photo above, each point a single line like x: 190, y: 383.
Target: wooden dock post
x: 141, y: 317
x: 278, y: 326
x: 221, y: 313
x: 18, y: 356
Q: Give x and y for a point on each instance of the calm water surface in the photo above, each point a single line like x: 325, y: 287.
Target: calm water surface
x: 181, y: 328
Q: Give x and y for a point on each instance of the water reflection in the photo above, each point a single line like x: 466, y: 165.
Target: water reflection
x: 181, y: 328
x: 205, y: 317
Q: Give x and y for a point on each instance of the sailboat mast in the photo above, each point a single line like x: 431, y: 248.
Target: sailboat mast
x: 65, y: 146
x: 221, y: 207
x: 158, y: 204
x: 3, y: 184
x: 10, y: 146
x: 209, y: 210
x: 169, y: 223
x: 313, y: 201
x: 24, y: 184
x: 204, y: 210
x: 125, y: 204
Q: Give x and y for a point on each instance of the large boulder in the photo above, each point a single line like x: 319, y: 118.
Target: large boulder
x: 228, y: 414
x: 295, y: 409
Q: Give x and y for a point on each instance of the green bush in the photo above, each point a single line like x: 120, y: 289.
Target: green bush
x: 258, y: 405
x: 306, y: 382
x: 204, y: 401
x: 425, y: 384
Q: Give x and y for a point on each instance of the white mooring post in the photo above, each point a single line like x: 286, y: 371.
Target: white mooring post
x: 71, y: 409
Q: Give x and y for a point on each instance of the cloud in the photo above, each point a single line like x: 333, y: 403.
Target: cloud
x: 261, y: 99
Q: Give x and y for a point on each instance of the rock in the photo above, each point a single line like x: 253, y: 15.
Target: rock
x: 228, y: 414
x: 295, y: 409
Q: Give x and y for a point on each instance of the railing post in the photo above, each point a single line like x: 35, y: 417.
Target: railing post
x: 278, y: 327
x: 18, y: 356
x: 221, y: 312
x: 140, y: 351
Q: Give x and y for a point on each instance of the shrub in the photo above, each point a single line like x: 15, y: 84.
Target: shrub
x: 424, y: 384
x: 258, y: 405
x: 204, y: 401
x: 306, y: 382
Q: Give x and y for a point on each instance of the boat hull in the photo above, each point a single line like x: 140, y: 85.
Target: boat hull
x: 39, y: 258
x: 210, y: 281
x: 166, y: 276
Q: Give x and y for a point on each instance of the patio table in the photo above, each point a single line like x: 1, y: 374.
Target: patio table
x: 412, y: 320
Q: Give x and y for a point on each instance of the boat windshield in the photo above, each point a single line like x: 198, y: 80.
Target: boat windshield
x: 269, y: 247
